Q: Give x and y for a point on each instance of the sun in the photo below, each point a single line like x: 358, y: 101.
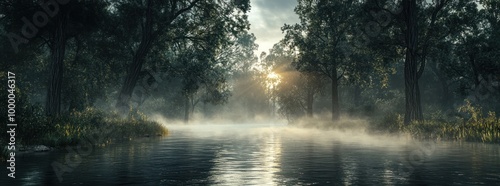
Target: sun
x: 272, y: 76
x: 272, y: 80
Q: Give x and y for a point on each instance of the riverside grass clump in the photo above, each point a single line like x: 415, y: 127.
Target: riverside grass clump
x: 473, y: 126
x: 90, y: 124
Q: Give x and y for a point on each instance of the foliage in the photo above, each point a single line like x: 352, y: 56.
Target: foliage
x: 201, y: 52
x: 91, y: 124
x: 79, y: 125
x: 186, y: 39
x: 475, y: 127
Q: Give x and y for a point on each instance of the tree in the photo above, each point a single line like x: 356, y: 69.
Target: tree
x: 419, y: 25
x: 157, y: 21
x: 294, y: 91
x: 153, y: 19
x: 53, y: 24
x: 476, y: 49
x: 412, y: 91
x: 320, y: 37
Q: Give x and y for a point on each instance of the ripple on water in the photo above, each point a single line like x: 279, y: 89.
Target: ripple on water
x: 267, y: 155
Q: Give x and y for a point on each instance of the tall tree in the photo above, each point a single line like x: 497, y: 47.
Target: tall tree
x: 53, y: 24
x: 412, y: 91
x: 320, y: 37
x: 156, y: 21
x: 475, y: 44
x: 418, y: 25
x: 294, y: 91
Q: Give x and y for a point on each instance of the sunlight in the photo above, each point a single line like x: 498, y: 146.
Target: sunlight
x: 265, y: 156
x: 273, y: 79
x: 273, y: 75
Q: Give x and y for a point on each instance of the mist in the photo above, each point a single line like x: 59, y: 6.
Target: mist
x: 240, y: 92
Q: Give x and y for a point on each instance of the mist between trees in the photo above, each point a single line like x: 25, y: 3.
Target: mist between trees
x: 377, y: 59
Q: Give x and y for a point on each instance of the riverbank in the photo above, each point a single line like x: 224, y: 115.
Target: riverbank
x: 468, y: 123
x: 88, y: 126
x: 472, y: 125
x: 482, y: 129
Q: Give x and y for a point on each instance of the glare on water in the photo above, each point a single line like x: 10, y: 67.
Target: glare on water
x: 271, y: 154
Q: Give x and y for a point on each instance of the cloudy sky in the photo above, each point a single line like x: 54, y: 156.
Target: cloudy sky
x: 267, y: 17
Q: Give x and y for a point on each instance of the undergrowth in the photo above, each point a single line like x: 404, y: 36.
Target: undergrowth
x: 90, y: 125
x: 471, y: 125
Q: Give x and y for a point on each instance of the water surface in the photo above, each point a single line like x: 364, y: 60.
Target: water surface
x: 264, y: 155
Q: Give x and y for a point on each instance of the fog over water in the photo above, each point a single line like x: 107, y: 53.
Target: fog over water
x: 250, y: 92
x: 272, y: 154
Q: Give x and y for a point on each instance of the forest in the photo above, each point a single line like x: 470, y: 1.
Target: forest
x: 427, y: 68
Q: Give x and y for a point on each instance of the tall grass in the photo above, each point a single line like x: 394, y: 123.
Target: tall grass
x: 472, y: 125
x: 82, y: 125
x: 90, y: 124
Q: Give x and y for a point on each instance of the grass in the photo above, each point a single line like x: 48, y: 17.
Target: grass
x: 90, y: 125
x: 468, y: 123
x: 473, y: 126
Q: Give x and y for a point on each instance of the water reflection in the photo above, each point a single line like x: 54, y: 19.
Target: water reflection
x: 255, y: 162
x: 264, y: 155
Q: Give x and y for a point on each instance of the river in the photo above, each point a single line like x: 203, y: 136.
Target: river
x: 263, y: 154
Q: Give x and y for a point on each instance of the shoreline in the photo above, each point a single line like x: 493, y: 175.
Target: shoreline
x: 22, y: 150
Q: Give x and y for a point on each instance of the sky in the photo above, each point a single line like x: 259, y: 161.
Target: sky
x: 267, y: 17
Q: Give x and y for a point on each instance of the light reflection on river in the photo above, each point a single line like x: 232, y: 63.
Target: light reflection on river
x: 268, y: 155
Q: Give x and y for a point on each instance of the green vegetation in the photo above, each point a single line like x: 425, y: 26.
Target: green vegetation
x: 404, y: 66
x: 398, y: 66
x: 79, y: 126
x: 82, y: 127
x: 139, y: 56
x: 472, y: 126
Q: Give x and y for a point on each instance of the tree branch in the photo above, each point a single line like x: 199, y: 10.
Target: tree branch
x: 341, y: 75
x: 439, y: 6
x: 179, y: 12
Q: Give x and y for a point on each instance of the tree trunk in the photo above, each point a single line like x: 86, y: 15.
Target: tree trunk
x: 335, y: 96
x: 309, y: 102
x: 193, y: 105
x: 357, y: 95
x: 132, y: 76
x: 58, y: 49
x: 474, y: 67
x: 186, y: 109
x: 445, y: 92
x: 412, y: 91
x: 138, y: 60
